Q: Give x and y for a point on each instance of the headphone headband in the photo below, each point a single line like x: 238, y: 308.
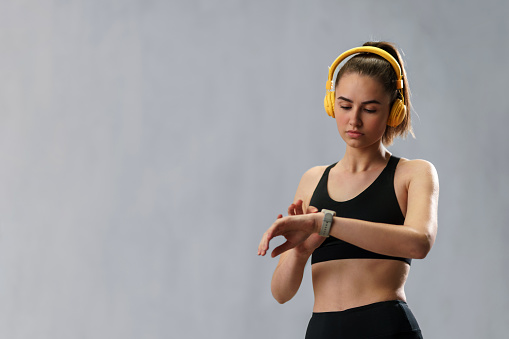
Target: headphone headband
x: 369, y: 49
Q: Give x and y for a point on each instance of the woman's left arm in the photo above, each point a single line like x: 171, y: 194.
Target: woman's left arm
x: 416, y: 237
x: 413, y: 239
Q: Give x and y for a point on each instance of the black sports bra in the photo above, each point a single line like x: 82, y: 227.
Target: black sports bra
x: 377, y: 203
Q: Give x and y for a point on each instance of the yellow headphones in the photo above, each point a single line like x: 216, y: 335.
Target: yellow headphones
x: 398, y: 110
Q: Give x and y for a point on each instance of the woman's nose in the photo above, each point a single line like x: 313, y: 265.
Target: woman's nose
x: 355, y: 117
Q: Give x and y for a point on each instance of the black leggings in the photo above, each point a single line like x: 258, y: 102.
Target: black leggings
x: 382, y: 320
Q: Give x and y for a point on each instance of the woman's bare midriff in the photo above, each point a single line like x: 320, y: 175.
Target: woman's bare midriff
x: 342, y: 284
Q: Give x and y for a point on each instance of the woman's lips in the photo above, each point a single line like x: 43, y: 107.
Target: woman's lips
x: 354, y: 134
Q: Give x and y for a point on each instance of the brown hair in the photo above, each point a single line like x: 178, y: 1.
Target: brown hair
x: 378, y: 68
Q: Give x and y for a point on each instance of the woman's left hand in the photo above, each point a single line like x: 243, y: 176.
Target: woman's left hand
x: 295, y: 228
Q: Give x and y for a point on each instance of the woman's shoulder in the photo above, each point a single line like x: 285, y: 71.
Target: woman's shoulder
x: 308, y: 182
x: 416, y: 168
x: 416, y: 164
x: 314, y: 174
x: 315, y: 171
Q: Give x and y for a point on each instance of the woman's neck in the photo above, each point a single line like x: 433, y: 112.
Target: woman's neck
x: 363, y: 159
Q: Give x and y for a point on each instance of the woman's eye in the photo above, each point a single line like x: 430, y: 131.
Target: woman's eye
x: 345, y: 107
x: 370, y: 110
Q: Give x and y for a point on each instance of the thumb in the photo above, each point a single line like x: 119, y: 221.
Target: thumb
x: 281, y: 249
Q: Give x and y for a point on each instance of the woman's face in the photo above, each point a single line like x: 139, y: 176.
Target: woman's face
x: 361, y: 109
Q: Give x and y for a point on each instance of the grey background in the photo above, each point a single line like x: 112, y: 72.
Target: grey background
x: 145, y: 147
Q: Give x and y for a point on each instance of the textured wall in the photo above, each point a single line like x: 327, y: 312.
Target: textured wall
x: 145, y: 146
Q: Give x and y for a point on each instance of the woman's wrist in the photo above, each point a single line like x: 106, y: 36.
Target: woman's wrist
x: 318, y: 220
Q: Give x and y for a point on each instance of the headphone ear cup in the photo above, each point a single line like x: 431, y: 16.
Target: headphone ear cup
x: 328, y: 103
x: 398, y: 113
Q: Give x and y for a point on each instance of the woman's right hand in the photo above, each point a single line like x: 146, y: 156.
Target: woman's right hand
x: 314, y: 240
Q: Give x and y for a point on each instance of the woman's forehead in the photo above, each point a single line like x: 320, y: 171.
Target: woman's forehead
x: 358, y: 85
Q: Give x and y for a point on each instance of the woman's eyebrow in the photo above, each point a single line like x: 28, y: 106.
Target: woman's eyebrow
x: 371, y: 102
x: 364, y: 103
x: 343, y: 98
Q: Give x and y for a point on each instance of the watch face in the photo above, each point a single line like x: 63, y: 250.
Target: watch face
x: 326, y: 211
x: 328, y: 216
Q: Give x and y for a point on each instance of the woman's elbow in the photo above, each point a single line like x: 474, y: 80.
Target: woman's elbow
x: 281, y: 298
x: 420, y: 254
x: 421, y: 247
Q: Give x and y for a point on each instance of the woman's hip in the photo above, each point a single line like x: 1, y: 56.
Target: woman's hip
x: 381, y: 320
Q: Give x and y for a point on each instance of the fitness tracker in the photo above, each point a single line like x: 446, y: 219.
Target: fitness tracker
x: 327, y: 222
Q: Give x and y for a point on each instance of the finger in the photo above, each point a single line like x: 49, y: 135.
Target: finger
x: 312, y: 209
x: 291, y: 209
x: 298, y: 207
x: 264, y: 244
x: 274, y: 231
x: 266, y: 240
x: 281, y: 249
x: 260, y: 251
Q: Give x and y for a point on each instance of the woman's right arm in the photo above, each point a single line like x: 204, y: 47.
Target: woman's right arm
x: 288, y: 274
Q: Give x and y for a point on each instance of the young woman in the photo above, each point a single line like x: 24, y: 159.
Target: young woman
x: 365, y: 217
